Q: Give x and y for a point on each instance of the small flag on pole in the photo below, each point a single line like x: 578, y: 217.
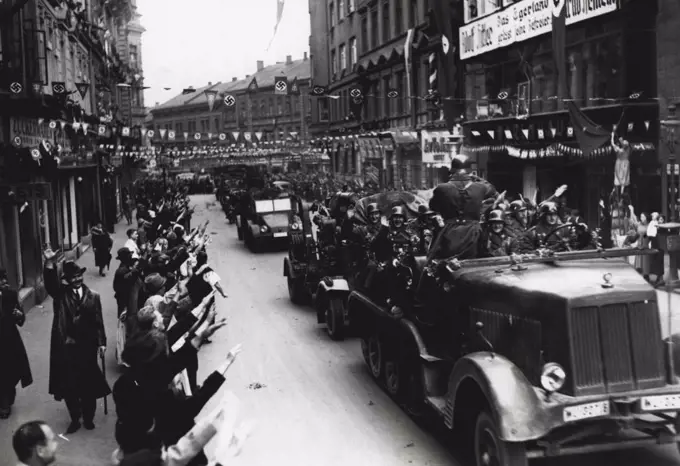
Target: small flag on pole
x: 279, y: 15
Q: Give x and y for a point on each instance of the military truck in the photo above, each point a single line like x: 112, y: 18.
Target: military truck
x: 550, y: 355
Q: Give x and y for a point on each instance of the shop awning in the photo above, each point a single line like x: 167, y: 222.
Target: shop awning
x: 402, y: 136
x: 369, y: 148
x: 380, y: 56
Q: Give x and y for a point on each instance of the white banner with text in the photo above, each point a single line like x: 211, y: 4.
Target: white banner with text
x: 524, y: 20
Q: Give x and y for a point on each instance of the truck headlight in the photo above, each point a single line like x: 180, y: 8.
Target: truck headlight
x: 263, y: 229
x: 295, y: 226
x: 552, y: 377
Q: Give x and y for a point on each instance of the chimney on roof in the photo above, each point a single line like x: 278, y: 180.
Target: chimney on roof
x: 260, y: 65
x: 247, y: 76
x: 305, y: 56
x: 289, y: 59
x: 209, y: 83
x: 234, y: 80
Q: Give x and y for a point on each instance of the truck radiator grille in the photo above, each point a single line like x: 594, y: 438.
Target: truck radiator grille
x: 616, y: 348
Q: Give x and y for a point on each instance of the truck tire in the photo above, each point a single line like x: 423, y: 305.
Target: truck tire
x: 490, y: 449
x: 364, y: 351
x: 296, y: 290
x: 376, y: 360
x: 335, y: 318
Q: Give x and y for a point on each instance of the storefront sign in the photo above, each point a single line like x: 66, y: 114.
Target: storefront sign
x: 26, y: 192
x: 436, y: 147
x: 524, y: 20
x: 31, y: 133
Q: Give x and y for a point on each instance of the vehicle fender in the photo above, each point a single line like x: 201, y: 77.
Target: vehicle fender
x: 254, y: 229
x: 513, y: 401
x: 324, y: 290
x: 337, y: 284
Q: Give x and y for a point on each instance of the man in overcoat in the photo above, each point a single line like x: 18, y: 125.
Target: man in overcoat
x: 14, y: 366
x: 78, y: 339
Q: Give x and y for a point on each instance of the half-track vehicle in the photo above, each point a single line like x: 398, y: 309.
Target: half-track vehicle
x: 352, y: 252
x: 529, y: 356
x: 264, y: 219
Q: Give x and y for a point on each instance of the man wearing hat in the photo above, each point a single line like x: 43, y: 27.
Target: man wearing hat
x: 14, y: 365
x: 460, y: 202
x: 78, y: 339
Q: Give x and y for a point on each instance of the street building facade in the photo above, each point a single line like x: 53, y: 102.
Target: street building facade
x: 239, y: 115
x: 60, y: 129
x: 522, y: 134
x: 384, y: 52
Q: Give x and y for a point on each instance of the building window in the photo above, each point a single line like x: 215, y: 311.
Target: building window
x: 263, y: 108
x: 398, y: 18
x: 323, y: 109
x: 402, y: 94
x: 279, y: 105
x: 353, y: 57
x: 334, y: 64
x: 134, y: 57
x: 351, y: 6
x: 331, y: 10
x: 217, y: 125
x: 386, y: 22
x: 289, y: 106
x: 374, y: 29
x: 341, y: 9
x: 271, y: 107
x: 364, y: 34
x: 414, y: 19
x: 386, y: 100
x: 343, y: 57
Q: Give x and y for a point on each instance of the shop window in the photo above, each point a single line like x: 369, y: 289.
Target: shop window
x: 364, y: 34
x: 323, y: 109
x: 605, y: 65
x: 413, y: 17
x: 386, y: 22
x: 374, y: 28
x: 353, y: 57
x: 385, y: 99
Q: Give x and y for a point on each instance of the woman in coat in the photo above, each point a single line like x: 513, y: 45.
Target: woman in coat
x: 14, y: 365
x: 101, y: 245
x: 78, y: 341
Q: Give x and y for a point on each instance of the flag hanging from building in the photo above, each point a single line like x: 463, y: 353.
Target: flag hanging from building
x: 294, y: 88
x: 252, y: 87
x: 408, y: 54
x: 279, y: 16
x: 589, y: 135
x: 281, y: 85
x: 444, y: 16
x: 211, y: 95
x: 82, y: 89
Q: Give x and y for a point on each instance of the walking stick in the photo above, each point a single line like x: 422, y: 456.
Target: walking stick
x: 106, y: 397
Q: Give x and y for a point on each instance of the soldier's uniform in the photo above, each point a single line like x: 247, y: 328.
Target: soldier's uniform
x: 498, y: 241
x: 460, y: 202
x: 544, y: 234
x: 518, y: 220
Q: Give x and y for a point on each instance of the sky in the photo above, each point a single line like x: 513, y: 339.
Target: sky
x: 191, y: 43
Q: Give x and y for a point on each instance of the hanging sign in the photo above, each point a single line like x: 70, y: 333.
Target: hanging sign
x: 436, y: 147
x: 31, y: 134
x: 524, y: 20
x: 27, y: 191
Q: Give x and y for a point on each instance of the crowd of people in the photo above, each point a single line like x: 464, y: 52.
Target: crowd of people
x: 165, y: 294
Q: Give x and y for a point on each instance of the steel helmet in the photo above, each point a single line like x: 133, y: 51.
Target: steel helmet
x: 547, y: 208
x: 517, y: 206
x: 460, y: 163
x: 372, y: 207
x: 496, y: 216
x: 398, y: 211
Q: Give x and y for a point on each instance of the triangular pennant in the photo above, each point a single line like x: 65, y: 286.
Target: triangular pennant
x: 209, y: 136
x: 281, y: 85
x: 143, y: 131
x: 525, y: 132
x: 294, y: 87
x: 631, y: 125
x: 162, y: 132
x: 211, y: 95
x: 553, y: 131
x: 235, y: 134
x: 186, y: 135
x: 41, y: 121
x: 252, y: 87
x: 508, y: 134
x: 85, y: 127
x: 258, y: 135
x: 82, y: 89
x: 492, y: 134
x: 76, y: 125
x: 647, y: 125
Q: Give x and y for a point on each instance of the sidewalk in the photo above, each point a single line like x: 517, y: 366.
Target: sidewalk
x: 84, y: 448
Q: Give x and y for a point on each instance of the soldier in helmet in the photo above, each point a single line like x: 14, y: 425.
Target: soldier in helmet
x: 460, y: 202
x: 498, y: 240
x: 546, y: 233
x: 518, y: 220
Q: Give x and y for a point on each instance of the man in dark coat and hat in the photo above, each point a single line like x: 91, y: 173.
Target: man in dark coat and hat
x: 78, y: 338
x: 14, y: 366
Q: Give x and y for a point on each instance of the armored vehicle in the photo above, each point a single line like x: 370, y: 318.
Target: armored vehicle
x: 549, y: 355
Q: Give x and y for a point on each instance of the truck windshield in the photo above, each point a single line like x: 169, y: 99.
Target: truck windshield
x: 264, y: 206
x: 282, y: 204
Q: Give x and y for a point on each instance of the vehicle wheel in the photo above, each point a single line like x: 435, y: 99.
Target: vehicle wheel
x: 364, y: 351
x: 335, y: 318
x: 394, y: 377
x: 491, y: 450
x: 375, y: 356
x: 296, y: 290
